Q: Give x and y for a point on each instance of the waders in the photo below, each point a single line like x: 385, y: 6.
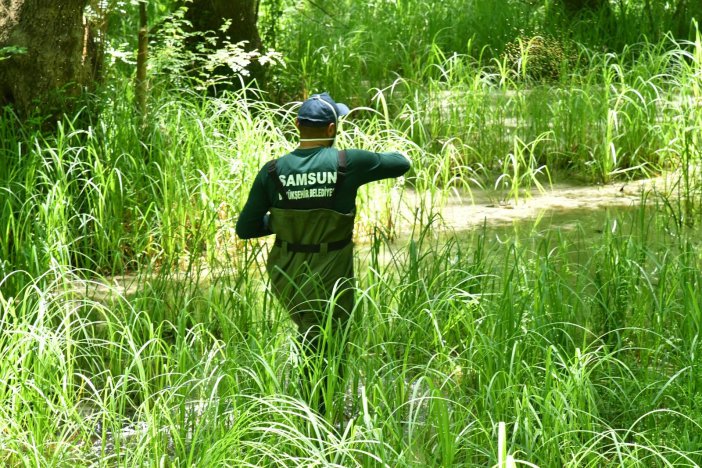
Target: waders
x: 311, y: 272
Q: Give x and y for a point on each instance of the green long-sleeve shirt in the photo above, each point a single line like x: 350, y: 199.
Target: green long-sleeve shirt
x: 309, y: 174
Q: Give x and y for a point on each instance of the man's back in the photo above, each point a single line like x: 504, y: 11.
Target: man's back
x: 309, y: 178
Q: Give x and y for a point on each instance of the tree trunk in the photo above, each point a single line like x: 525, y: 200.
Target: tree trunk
x: 210, y: 15
x: 141, y: 84
x: 57, y: 58
x: 683, y: 15
x: 575, y: 7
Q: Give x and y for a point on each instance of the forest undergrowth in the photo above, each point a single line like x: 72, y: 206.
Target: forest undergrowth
x: 585, y: 343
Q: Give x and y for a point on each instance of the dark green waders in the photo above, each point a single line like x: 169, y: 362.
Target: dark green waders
x: 311, y: 272
x: 307, y: 283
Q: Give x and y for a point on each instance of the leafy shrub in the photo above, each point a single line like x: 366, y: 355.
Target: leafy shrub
x: 540, y: 58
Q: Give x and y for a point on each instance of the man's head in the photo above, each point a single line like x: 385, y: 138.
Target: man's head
x: 318, y: 116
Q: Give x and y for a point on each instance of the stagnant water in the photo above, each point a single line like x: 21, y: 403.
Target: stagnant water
x: 563, y: 207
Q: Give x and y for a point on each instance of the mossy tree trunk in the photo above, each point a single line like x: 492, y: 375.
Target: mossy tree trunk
x: 56, y: 58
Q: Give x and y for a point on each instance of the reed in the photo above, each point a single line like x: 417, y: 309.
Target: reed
x: 137, y: 330
x: 586, y: 348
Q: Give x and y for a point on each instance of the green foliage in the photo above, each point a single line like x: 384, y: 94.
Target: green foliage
x: 541, y: 59
x: 9, y: 51
x: 583, y: 341
x: 204, y: 65
x: 456, y: 336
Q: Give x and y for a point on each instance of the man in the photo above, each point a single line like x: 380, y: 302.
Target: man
x: 307, y: 198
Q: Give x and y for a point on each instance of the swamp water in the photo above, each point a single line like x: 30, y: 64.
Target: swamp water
x: 563, y: 207
x: 578, y: 216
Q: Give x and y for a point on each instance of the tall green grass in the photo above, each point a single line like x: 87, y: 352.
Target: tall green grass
x: 586, y: 348
x: 605, y: 114
x: 584, y: 344
x: 107, y: 193
x: 611, y: 118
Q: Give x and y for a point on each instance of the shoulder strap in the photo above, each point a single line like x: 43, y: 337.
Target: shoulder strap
x: 342, y: 161
x: 340, y: 173
x: 273, y: 173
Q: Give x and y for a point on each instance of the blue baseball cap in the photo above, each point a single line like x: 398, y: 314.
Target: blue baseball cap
x: 319, y: 110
